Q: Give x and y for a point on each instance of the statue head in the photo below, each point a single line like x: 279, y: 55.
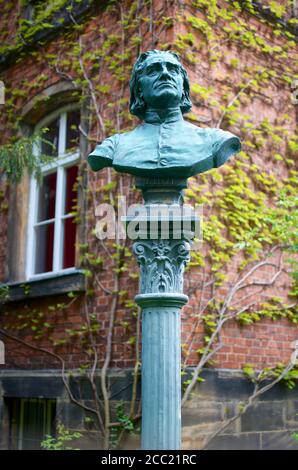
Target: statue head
x: 158, y: 80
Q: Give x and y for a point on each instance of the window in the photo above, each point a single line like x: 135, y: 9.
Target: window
x: 52, y: 229
x: 30, y: 420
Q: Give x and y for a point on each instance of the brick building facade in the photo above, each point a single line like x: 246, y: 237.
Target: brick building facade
x: 66, y: 288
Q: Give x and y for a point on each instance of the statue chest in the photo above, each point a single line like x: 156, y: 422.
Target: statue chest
x: 160, y: 146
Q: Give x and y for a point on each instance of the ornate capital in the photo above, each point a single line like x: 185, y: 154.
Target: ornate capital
x: 162, y: 264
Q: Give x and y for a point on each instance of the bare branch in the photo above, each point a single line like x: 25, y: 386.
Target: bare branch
x: 242, y: 90
x: 256, y: 393
x: 58, y: 358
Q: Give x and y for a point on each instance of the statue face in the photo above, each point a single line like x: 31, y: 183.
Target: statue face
x: 161, y: 82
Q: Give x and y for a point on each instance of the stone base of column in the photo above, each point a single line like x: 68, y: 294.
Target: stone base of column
x: 161, y: 374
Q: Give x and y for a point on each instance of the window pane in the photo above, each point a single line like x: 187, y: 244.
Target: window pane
x: 72, y: 131
x: 47, y: 198
x: 69, y: 242
x: 52, y: 136
x: 71, y: 190
x: 30, y: 419
x: 44, y: 248
x: 33, y: 420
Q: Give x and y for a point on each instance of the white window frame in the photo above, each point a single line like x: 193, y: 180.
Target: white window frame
x: 65, y: 160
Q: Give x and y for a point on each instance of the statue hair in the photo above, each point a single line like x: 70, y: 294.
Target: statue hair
x: 137, y: 104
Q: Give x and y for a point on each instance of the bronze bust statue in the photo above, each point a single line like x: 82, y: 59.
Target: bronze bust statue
x: 164, y: 145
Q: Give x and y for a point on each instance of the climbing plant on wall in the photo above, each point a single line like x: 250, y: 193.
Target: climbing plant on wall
x: 250, y: 205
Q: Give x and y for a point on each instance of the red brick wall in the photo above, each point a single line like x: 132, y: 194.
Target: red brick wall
x: 267, y: 342
x: 264, y: 343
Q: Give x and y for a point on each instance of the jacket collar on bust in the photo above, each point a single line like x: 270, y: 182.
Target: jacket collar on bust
x: 158, y: 117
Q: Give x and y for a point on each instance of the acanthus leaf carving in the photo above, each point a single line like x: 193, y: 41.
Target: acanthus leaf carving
x: 162, y: 264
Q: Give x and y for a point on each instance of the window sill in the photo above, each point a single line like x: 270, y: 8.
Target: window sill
x: 53, y: 284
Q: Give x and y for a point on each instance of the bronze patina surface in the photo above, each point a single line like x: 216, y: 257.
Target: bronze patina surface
x: 164, y: 144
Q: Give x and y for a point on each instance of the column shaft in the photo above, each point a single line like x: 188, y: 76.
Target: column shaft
x: 161, y: 380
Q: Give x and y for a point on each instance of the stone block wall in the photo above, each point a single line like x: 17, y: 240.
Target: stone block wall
x: 268, y: 424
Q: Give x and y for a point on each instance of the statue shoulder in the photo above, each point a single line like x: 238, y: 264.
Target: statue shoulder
x: 202, y: 131
x: 107, y: 146
x: 190, y: 125
x: 221, y: 144
x: 103, y: 154
x: 224, y: 145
